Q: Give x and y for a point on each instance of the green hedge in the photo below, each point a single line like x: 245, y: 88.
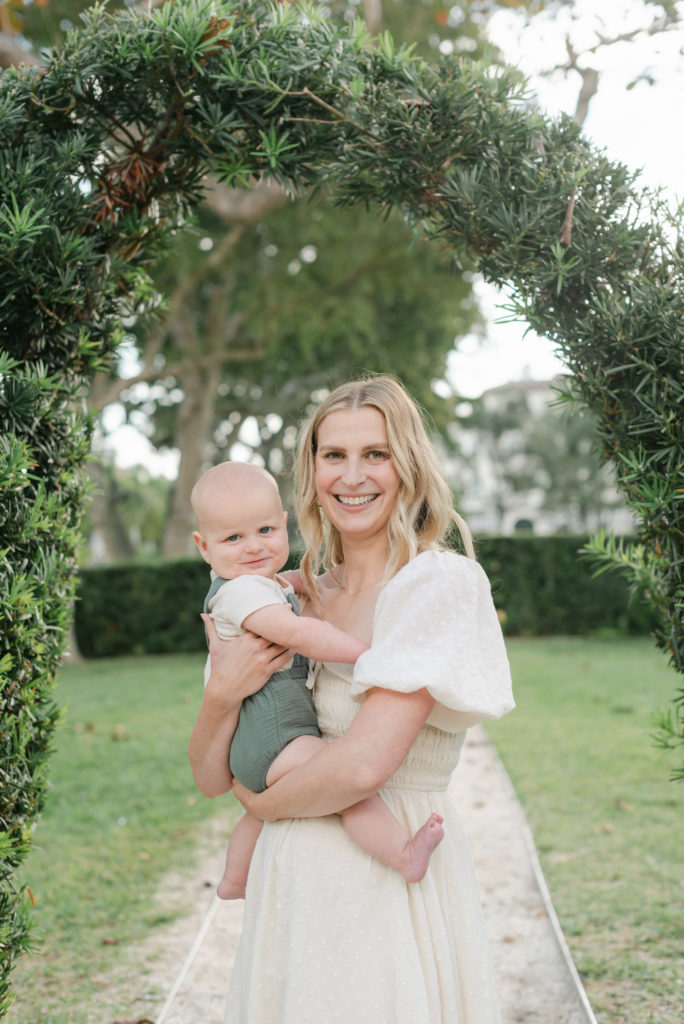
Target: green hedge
x: 540, y: 585
x: 150, y: 608
x: 143, y: 608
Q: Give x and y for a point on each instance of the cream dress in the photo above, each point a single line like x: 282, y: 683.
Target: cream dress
x: 331, y: 936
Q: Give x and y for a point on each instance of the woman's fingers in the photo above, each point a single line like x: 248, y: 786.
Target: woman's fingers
x: 210, y: 626
x: 278, y: 656
x: 249, y: 800
x: 244, y: 663
x: 241, y: 793
x: 268, y: 656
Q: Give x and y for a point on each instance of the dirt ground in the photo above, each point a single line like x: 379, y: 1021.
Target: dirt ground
x: 537, y: 980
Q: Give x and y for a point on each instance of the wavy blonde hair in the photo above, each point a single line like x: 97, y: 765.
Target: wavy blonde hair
x: 424, y: 510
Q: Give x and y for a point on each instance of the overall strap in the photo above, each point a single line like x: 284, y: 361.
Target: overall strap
x: 216, y: 585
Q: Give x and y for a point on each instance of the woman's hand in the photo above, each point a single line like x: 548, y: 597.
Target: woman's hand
x: 241, y: 666
x: 296, y: 580
x: 256, y: 804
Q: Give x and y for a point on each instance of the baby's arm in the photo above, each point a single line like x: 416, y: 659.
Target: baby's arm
x: 311, y: 637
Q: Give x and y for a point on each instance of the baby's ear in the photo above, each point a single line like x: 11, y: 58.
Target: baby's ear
x: 201, y: 544
x: 284, y: 518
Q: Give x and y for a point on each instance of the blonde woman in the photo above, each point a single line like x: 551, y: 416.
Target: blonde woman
x: 331, y: 935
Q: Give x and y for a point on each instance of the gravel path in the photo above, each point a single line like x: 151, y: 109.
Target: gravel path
x: 537, y: 980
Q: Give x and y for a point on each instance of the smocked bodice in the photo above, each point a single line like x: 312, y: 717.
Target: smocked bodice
x: 432, y: 758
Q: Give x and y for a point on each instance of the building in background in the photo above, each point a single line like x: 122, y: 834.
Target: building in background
x: 524, y: 463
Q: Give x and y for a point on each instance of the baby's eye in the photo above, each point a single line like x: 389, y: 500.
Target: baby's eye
x: 233, y: 537
x: 265, y: 529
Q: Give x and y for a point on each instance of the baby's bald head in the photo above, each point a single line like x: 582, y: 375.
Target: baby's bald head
x: 225, y: 482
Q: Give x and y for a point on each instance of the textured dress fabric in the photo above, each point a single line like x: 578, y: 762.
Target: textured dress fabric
x: 331, y: 935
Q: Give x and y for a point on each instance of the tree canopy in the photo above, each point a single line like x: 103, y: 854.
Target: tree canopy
x: 259, y: 312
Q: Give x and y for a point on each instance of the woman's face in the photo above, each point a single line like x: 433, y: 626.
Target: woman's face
x: 356, y: 481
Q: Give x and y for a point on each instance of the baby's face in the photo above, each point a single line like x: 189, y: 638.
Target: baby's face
x: 245, y: 534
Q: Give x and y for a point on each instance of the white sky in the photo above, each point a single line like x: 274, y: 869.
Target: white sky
x: 641, y: 126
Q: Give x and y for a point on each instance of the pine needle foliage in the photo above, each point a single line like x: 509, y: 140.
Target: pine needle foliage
x: 103, y: 156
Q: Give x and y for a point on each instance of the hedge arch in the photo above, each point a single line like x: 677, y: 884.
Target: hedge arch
x: 103, y: 154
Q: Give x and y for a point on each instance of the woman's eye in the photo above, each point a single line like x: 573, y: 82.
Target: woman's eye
x: 332, y: 456
x: 378, y: 455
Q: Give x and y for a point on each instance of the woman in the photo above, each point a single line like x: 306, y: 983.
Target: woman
x: 331, y: 936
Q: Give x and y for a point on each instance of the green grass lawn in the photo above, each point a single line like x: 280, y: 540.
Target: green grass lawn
x: 123, y: 810
x: 607, y: 822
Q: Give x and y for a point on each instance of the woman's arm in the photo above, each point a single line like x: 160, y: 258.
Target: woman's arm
x: 239, y: 668
x: 353, y: 766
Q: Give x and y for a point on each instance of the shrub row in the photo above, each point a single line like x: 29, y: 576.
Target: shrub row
x: 540, y: 586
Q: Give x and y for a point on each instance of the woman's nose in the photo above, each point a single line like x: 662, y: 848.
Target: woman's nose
x: 353, y: 473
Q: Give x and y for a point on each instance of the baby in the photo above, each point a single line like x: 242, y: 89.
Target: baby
x: 242, y: 534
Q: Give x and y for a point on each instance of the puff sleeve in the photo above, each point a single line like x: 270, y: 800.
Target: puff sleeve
x: 435, y: 626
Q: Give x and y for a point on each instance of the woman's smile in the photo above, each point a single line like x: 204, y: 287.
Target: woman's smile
x: 361, y: 499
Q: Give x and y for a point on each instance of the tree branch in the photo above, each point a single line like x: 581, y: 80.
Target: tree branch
x: 372, y: 10
x: 590, y: 76
x: 242, y: 205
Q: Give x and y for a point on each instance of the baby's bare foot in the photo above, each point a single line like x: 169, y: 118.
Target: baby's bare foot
x: 419, y: 849
x: 227, y: 889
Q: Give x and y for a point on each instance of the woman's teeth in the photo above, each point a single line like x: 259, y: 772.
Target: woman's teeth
x: 363, y: 499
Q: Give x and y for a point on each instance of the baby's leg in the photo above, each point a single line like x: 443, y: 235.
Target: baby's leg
x: 238, y: 856
x: 246, y: 832
x: 295, y: 753
x: 373, y: 827
x: 370, y: 823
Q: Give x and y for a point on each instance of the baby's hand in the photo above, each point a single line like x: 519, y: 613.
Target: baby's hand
x: 296, y: 581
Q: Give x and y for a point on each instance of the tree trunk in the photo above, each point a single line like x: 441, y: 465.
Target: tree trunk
x: 193, y: 435
x: 72, y: 655
x: 105, y: 522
